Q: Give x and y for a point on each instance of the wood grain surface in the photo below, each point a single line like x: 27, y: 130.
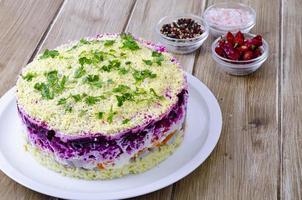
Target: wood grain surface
x: 22, y: 25
x: 259, y: 154
x: 291, y: 100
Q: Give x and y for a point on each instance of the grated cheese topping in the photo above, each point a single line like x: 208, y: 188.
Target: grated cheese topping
x: 104, y: 85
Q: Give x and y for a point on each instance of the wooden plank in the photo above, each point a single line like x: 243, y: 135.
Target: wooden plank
x: 291, y: 103
x: 142, y: 23
x: 88, y: 18
x: 147, y: 13
x: 245, y: 163
x: 75, y: 20
x: 22, y: 26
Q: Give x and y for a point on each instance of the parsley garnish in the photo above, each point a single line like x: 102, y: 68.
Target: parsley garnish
x: 84, y: 41
x: 121, y: 89
x: 157, y: 57
x: 68, y: 108
x: 49, y: 53
x: 93, y: 80
x: 53, y: 85
x: 45, y: 91
x: 84, y: 60
x: 110, y: 115
x: 91, y: 100
x: 128, y: 62
x: 123, y: 71
x: 122, y: 54
x: 29, y: 76
x: 76, y: 97
x: 62, y: 101
x: 79, y: 72
x: 155, y: 94
x: 129, y: 42
x: 124, y: 97
x: 100, y: 115
x: 147, y: 62
x: 98, y: 56
x: 139, y: 76
x: 113, y: 64
x: 109, y: 43
x: 126, y: 121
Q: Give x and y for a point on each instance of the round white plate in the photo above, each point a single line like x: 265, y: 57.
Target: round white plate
x: 204, y: 123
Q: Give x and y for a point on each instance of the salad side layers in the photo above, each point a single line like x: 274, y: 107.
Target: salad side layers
x: 100, y: 105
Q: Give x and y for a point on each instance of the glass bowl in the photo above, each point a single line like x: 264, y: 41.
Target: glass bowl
x: 182, y: 46
x: 218, y: 30
x: 240, y: 67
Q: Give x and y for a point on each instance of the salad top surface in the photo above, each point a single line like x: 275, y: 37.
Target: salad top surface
x: 102, y: 85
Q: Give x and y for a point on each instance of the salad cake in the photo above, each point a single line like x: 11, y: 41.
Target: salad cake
x: 103, y: 107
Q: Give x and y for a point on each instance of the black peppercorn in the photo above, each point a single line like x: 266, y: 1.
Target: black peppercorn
x: 183, y: 28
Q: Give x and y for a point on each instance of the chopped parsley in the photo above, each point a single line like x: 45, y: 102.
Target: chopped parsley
x: 147, y: 62
x: 54, y: 85
x: 45, y: 91
x: 68, y: 108
x: 111, y: 115
x: 128, y: 62
x: 77, y: 97
x: 93, y: 80
x: 49, y: 54
x: 124, y: 97
x: 155, y: 94
x: 129, y: 42
x: 100, y: 115
x: 98, y: 56
x: 84, y: 60
x: 62, y: 101
x: 91, y: 100
x: 123, y: 54
x: 79, y: 72
x: 29, y: 76
x: 123, y: 71
x: 140, y: 76
x: 84, y: 41
x: 157, y: 57
x: 121, y: 89
x: 109, y: 43
x: 113, y: 64
x: 126, y: 121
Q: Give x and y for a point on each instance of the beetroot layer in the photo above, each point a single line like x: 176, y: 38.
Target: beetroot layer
x: 107, y: 148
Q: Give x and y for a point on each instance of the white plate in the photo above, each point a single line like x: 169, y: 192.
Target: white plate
x: 202, y: 133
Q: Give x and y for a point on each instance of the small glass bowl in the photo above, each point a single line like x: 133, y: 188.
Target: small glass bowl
x: 217, y: 31
x: 240, y: 67
x: 182, y: 46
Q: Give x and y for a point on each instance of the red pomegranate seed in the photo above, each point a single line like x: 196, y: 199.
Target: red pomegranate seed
x: 248, y: 55
x: 219, y: 51
x: 230, y: 38
x: 239, y: 38
x: 231, y: 52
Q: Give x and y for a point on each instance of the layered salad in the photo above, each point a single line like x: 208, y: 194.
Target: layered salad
x: 103, y: 107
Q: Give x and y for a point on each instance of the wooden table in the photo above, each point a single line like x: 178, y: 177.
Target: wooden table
x: 259, y: 154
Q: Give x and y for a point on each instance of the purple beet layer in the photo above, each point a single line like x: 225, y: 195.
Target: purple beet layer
x: 107, y: 148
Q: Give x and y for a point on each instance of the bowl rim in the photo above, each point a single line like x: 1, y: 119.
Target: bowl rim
x: 183, y: 15
x: 264, y: 55
x: 225, y: 28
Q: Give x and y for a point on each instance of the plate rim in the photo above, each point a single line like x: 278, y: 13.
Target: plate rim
x: 207, y: 148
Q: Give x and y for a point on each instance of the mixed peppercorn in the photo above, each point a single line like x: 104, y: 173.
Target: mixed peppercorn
x: 183, y: 28
x: 238, y: 48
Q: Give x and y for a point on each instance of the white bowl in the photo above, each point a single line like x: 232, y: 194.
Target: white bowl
x: 182, y: 46
x: 217, y: 31
x: 240, y: 67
